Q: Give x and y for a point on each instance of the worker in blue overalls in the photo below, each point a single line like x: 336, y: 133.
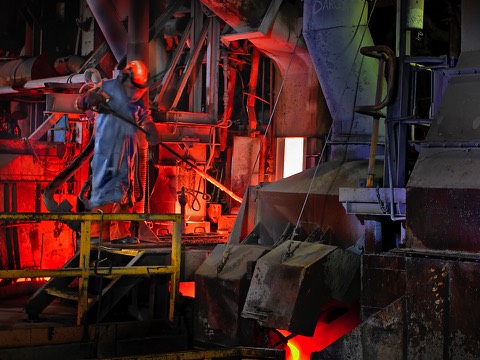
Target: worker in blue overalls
x: 121, y: 116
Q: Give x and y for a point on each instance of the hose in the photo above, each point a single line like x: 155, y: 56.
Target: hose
x: 67, y: 173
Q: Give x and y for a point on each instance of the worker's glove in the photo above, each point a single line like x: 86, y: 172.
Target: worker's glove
x: 153, y: 136
x: 91, y: 100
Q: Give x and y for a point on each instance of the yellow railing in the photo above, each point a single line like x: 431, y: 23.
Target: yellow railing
x: 84, y: 270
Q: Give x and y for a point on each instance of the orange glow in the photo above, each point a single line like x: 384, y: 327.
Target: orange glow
x: 294, y: 352
x: 42, y: 279
x: 301, y: 347
x: 187, y: 288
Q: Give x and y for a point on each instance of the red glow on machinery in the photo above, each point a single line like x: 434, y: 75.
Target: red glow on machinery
x: 187, y: 288
x: 333, y: 324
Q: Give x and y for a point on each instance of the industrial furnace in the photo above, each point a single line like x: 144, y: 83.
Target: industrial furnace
x: 313, y: 195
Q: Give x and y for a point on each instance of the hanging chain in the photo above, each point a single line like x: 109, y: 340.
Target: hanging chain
x: 385, y: 209
x: 226, y: 255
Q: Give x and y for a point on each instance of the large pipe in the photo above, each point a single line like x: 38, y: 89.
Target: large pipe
x: 111, y: 26
x: 158, y: 57
x: 137, y: 49
x: 34, y: 72
x: 252, y: 92
x: 68, y: 64
x: 16, y: 72
x: 137, y: 37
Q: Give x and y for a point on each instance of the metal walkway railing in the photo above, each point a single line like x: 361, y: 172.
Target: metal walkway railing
x: 85, y: 270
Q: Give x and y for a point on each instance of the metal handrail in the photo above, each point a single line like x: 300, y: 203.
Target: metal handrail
x: 84, y: 271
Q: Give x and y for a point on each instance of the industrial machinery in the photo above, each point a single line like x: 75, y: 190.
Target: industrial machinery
x: 314, y: 195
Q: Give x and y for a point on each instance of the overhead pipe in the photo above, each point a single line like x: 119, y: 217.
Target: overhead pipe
x: 138, y: 32
x: 162, y: 23
x: 112, y: 28
x: 414, y: 18
x: 137, y: 49
x: 16, y: 72
x: 212, y: 76
x: 230, y: 77
x: 69, y: 64
x: 252, y: 93
x: 158, y: 57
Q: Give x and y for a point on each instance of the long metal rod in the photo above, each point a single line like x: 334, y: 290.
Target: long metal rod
x: 375, y: 126
x: 99, y: 271
x: 89, y: 216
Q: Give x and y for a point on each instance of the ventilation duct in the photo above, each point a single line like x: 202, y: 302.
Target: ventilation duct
x: 334, y: 33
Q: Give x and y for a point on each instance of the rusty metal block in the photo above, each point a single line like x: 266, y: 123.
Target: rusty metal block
x: 378, y: 338
x: 383, y: 281
x: 225, y: 223
x: 286, y: 291
x: 221, y: 285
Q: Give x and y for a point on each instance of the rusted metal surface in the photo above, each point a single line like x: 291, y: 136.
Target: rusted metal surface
x: 464, y: 314
x: 443, y: 219
x: 443, y: 190
x: 21, y: 146
x: 427, y: 281
x: 443, y: 313
x: 221, y: 285
x: 435, y: 317
x: 383, y: 282
x: 292, y: 280
x: 378, y: 338
x: 442, y: 200
x: 228, y: 353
